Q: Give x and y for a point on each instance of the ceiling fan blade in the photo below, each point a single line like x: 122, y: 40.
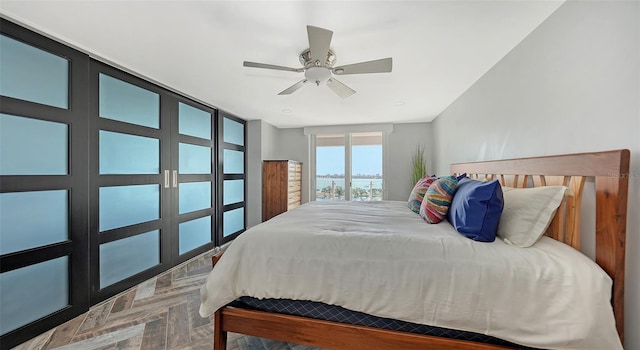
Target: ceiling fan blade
x: 339, y: 88
x: 378, y: 66
x: 270, y: 66
x: 319, y: 40
x: 293, y: 88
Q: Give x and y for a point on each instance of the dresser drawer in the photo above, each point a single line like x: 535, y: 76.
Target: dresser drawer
x: 294, y: 196
x: 292, y: 205
x: 295, y: 186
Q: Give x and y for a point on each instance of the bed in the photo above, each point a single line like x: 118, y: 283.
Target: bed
x: 359, y: 268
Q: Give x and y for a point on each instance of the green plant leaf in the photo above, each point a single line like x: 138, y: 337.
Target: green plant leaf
x: 418, y: 165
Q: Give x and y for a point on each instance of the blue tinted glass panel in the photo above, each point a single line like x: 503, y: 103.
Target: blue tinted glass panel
x: 128, y: 103
x: 31, y: 74
x: 33, y: 219
x: 194, y: 196
x: 127, y: 205
x: 233, y: 132
x: 32, y: 292
x: 233, y: 191
x: 194, y: 122
x: 194, y: 234
x: 233, y: 162
x: 128, y: 256
x: 128, y: 154
x: 233, y: 221
x: 194, y: 159
x: 32, y: 147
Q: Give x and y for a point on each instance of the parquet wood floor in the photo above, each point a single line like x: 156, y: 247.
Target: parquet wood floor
x: 158, y: 314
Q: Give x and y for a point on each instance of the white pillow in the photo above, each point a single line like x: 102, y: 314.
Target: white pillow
x: 527, y: 213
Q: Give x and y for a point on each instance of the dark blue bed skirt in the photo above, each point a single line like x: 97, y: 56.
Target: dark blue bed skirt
x: 334, y: 313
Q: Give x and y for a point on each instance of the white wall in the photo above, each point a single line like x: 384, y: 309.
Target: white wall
x: 261, y: 144
x: 292, y: 144
x: 254, y: 172
x: 573, y: 85
x: 403, y: 142
x: 270, y: 135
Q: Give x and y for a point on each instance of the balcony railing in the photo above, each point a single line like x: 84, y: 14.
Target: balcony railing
x: 361, y: 189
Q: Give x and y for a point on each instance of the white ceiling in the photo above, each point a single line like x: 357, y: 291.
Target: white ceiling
x: 439, y: 49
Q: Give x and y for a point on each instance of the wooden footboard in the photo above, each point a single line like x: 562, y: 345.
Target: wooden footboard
x: 610, y: 171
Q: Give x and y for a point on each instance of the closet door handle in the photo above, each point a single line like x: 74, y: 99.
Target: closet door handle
x: 166, y: 179
x: 175, y: 178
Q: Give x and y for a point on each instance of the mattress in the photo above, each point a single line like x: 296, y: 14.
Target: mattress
x: 321, y: 311
x: 382, y: 259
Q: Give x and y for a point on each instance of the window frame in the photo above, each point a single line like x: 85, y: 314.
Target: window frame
x: 348, y: 145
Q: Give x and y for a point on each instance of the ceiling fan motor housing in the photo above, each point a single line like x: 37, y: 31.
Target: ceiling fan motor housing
x: 306, y: 60
x: 317, y: 72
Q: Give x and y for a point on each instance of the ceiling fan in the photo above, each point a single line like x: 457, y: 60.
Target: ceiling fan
x: 318, y: 61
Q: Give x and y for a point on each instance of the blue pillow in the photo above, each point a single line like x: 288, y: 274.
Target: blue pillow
x: 476, y: 208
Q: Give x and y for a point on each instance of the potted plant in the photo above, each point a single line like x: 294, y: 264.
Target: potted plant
x: 418, y: 165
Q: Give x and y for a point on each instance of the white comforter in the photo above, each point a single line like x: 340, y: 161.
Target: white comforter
x: 382, y: 259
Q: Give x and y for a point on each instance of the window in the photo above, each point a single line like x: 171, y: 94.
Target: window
x: 349, y: 166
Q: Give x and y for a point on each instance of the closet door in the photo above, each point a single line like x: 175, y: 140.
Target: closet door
x: 153, y: 180
x: 43, y: 184
x: 130, y: 187
x: 232, y: 165
x: 193, y: 179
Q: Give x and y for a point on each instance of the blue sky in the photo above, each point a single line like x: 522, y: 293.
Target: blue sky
x: 365, y: 160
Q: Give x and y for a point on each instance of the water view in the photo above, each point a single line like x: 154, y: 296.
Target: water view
x: 365, y: 168
x: 365, y: 188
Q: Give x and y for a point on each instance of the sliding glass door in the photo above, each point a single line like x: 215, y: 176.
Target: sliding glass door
x: 349, y: 166
x: 331, y: 181
x: 366, y: 166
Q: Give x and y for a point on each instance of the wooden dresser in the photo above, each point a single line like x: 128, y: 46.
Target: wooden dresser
x: 281, y: 186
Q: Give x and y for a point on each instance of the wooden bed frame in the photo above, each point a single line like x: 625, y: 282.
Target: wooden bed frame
x: 610, y: 170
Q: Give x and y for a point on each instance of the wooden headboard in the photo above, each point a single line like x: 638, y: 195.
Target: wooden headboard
x: 611, y: 172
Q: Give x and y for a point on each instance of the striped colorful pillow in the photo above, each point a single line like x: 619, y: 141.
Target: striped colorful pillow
x: 438, y: 198
x: 417, y: 194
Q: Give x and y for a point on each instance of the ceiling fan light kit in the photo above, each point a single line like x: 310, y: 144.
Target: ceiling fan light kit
x: 318, y: 61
